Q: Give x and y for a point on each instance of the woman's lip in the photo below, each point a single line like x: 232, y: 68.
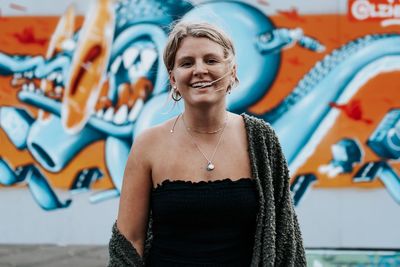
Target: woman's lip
x: 207, y: 82
x: 201, y: 87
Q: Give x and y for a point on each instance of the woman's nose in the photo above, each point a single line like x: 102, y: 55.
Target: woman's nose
x: 199, y: 68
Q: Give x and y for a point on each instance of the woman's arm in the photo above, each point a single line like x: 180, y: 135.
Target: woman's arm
x: 133, y: 211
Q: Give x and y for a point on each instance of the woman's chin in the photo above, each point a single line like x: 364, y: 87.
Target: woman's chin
x: 205, y: 100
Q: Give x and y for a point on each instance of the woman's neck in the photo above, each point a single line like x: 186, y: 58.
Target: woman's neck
x: 207, y: 119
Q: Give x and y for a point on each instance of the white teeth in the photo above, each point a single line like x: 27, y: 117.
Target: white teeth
x: 14, y: 81
x: 43, y: 84
x: 115, y: 65
x: 28, y: 74
x: 52, y: 76
x: 68, y: 45
x: 59, y: 78
x: 135, y: 110
x: 100, y: 113
x: 31, y: 87
x: 17, y: 75
x: 202, y: 84
x: 58, y: 90
x: 108, y: 115
x: 129, y: 56
x: 133, y: 73
x: 122, y: 88
x: 121, y: 115
x: 147, y: 58
x: 25, y: 87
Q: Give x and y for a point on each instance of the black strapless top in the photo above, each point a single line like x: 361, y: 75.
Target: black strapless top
x: 203, y: 223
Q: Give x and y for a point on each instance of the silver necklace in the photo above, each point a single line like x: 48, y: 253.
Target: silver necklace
x: 210, y: 165
x: 208, y: 132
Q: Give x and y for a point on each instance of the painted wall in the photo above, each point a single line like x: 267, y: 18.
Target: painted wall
x: 77, y: 85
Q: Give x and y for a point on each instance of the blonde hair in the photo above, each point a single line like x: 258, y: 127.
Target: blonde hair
x: 181, y: 30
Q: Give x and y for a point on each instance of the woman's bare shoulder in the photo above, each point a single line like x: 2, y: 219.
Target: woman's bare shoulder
x: 236, y: 120
x: 155, y: 135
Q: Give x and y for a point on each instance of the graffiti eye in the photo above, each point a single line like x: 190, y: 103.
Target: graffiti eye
x: 266, y: 37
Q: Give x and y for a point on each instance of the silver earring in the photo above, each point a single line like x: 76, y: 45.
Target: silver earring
x: 229, y: 89
x: 176, y: 96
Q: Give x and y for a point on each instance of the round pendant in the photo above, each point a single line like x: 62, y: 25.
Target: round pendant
x: 210, y: 166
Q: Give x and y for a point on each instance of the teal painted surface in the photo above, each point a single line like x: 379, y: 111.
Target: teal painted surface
x: 347, y: 258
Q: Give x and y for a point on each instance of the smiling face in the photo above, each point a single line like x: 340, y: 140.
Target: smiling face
x: 198, y: 62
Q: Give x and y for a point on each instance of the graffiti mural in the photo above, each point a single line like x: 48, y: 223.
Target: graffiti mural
x: 106, y: 81
x: 74, y: 92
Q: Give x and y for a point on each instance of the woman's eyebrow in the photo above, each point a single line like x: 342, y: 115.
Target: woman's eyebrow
x: 184, y: 58
x: 191, y: 57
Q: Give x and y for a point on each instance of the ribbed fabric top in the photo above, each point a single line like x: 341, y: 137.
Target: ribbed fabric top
x: 203, y: 223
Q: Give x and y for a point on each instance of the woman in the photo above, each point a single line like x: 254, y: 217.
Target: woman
x: 209, y: 187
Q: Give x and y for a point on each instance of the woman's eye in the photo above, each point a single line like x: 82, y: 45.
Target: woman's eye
x: 212, y: 61
x: 185, y: 64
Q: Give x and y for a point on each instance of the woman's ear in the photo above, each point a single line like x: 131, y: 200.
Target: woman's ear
x: 234, y: 73
x: 171, y: 78
x: 234, y: 77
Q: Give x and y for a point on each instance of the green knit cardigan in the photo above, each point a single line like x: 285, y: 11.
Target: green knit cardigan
x: 277, y: 240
